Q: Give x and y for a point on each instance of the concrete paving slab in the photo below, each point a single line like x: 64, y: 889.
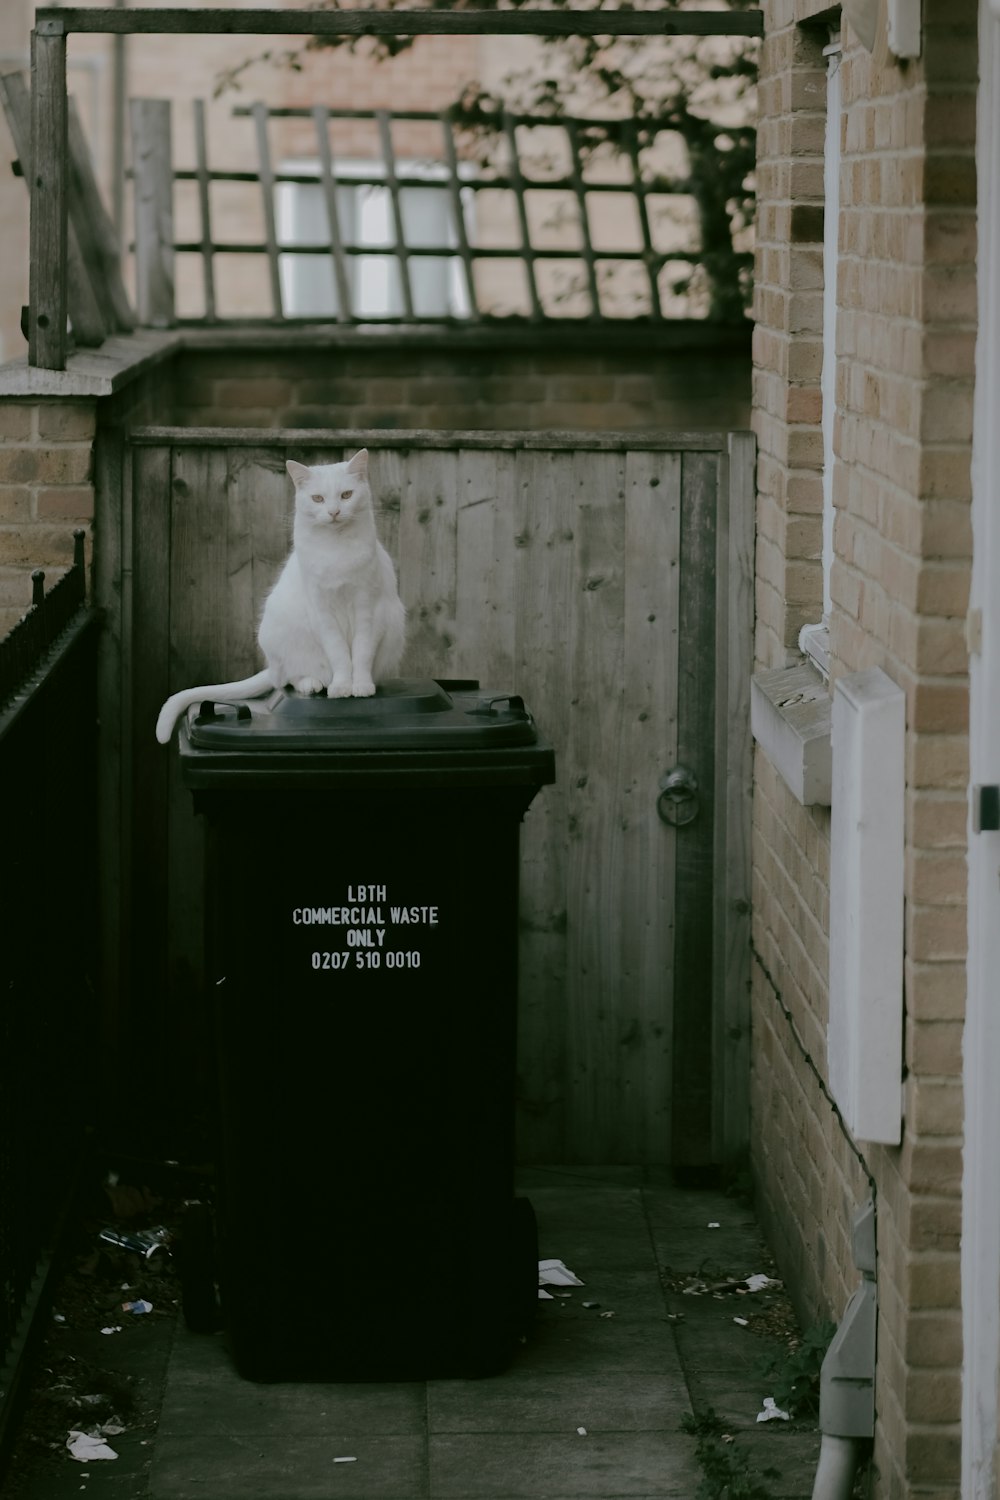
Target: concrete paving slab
x: 233, y: 1407
x: 530, y: 1402
x: 210, y: 1466
x: 608, y: 1346
x: 532, y: 1465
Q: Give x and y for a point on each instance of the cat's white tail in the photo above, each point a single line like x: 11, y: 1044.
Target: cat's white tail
x: 222, y: 692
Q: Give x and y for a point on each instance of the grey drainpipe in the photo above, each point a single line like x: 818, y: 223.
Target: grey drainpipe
x: 847, y: 1377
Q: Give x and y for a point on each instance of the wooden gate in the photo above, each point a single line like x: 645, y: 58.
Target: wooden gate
x: 605, y: 578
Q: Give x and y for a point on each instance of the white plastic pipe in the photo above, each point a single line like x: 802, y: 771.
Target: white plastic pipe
x: 839, y: 1458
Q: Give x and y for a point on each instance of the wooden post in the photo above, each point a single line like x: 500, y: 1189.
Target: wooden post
x: 85, y: 315
x: 579, y: 187
x: 205, y: 207
x: 154, y: 211
x: 402, y: 253
x: 517, y: 181
x: 95, y: 233
x: 341, y: 276
x: 47, y: 274
x: 267, y: 191
x: 461, y: 234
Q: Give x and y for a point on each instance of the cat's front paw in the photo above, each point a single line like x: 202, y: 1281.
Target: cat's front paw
x: 363, y: 687
x: 339, y: 690
x: 307, y: 686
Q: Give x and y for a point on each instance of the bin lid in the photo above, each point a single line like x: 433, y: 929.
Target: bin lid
x: 411, y: 727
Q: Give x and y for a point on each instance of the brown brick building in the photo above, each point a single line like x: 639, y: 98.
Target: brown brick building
x: 877, y: 549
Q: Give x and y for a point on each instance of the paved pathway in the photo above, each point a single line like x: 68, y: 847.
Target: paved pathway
x: 628, y: 1380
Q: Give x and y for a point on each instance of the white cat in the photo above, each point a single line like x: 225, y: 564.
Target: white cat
x: 334, y: 619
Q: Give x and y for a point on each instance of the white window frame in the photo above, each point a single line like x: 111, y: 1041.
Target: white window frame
x: 814, y: 639
x: 366, y: 218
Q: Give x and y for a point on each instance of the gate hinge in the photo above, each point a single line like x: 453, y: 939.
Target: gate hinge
x: 985, y: 809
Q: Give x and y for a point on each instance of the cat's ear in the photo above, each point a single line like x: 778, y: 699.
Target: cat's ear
x: 299, y: 472
x: 359, y: 463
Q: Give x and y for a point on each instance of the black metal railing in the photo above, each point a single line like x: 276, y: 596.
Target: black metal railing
x: 48, y: 952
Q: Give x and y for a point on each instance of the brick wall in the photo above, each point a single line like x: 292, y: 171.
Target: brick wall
x: 905, y: 342
x: 548, y: 382
x: 46, y: 492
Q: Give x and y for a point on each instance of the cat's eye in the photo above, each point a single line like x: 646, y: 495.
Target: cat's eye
x: 346, y: 494
x: 318, y: 499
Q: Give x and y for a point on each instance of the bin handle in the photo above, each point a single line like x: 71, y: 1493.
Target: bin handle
x: 207, y: 714
x: 514, y: 702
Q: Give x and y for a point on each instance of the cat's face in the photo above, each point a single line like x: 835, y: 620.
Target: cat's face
x: 331, y: 494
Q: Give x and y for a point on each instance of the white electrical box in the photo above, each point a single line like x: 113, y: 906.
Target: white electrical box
x: 865, y: 1030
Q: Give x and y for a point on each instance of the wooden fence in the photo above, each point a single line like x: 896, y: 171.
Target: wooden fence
x: 608, y: 580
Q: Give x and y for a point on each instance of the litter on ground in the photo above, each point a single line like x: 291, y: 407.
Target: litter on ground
x: 85, y: 1446
x: 771, y: 1411
x: 555, y: 1273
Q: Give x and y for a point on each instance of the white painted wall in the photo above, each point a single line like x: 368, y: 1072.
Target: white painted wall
x: 981, y: 1176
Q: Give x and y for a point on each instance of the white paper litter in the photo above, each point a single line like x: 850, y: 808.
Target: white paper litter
x: 117, y: 1328
x: 743, y: 1322
x: 554, y: 1273
x: 87, y: 1445
x: 582, y: 1431
x: 714, y: 1225
x: 345, y: 1460
x: 771, y: 1411
x: 759, y: 1281
x: 113, y: 1427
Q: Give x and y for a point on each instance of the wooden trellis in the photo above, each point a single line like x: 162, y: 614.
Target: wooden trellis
x: 156, y: 244
x: 53, y: 25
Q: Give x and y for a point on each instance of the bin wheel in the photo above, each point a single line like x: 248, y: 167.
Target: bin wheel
x: 524, y: 1267
x: 196, y: 1263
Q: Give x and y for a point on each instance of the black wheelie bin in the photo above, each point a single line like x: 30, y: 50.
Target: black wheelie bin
x: 363, y: 940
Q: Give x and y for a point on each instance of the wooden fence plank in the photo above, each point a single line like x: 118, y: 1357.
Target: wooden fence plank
x: 484, y: 624
x: 579, y: 188
x: 427, y: 579
x: 200, y: 502
x: 602, y: 1028
x: 543, y: 563
x: 400, y: 249
x: 692, y: 1100
x: 266, y: 175
x: 88, y: 214
x: 458, y: 213
x: 653, y: 262
x: 517, y: 182
x: 205, y: 207
x: 734, y: 782
x: 388, y: 478
x: 345, y: 302
x: 651, y: 648
x: 154, y: 211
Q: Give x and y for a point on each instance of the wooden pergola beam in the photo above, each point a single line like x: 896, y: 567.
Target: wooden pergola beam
x: 406, y: 23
